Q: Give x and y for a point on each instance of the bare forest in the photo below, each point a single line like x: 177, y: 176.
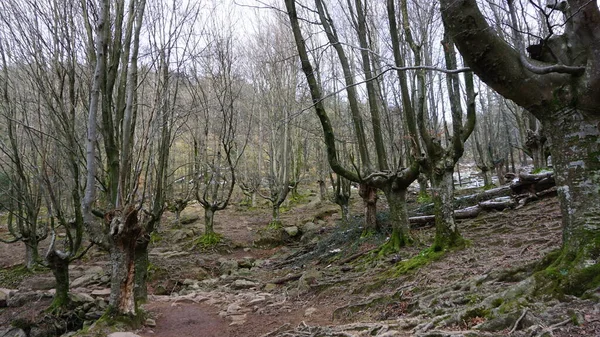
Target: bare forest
x: 299, y: 168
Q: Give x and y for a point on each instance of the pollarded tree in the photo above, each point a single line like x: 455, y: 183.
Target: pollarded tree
x: 559, y: 83
x: 218, y: 146
x: 20, y: 159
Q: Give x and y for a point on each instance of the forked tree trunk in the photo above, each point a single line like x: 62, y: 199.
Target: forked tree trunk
x: 447, y: 234
x: 575, y: 147
x: 369, y: 196
x: 396, y: 199
x: 124, y: 232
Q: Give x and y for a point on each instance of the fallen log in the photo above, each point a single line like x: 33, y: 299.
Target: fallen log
x: 497, y: 204
x: 464, y: 213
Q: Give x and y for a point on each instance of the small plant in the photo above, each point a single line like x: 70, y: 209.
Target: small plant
x: 424, y: 198
x: 208, y: 240
x: 274, y: 225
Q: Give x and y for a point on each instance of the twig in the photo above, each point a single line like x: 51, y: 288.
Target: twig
x: 356, y: 256
x: 518, y: 321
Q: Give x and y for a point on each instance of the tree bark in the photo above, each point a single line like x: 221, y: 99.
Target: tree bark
x: 396, y: 199
x: 446, y: 230
x: 60, y: 269
x: 141, y: 269
x: 575, y: 158
x: 32, y: 255
x: 124, y: 232
x: 369, y: 197
x: 209, y: 221
x: 322, y: 190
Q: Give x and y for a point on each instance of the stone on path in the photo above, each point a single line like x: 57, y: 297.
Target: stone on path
x: 123, y: 334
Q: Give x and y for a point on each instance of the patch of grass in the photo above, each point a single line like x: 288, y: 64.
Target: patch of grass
x: 208, y: 240
x: 13, y: 276
x: 275, y: 225
x: 488, y: 187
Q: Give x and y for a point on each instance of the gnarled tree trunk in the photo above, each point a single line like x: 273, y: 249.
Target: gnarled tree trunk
x: 124, y: 232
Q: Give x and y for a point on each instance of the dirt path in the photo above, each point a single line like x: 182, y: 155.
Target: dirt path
x: 186, y: 319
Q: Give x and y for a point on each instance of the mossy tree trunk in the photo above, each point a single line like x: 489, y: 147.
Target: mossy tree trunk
x: 576, y: 160
x: 396, y: 198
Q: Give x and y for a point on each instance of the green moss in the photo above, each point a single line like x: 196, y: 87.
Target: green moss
x: 497, y: 302
x: 155, y: 237
x: 476, y: 312
x: 424, y: 198
x: 424, y: 258
x: 563, y: 275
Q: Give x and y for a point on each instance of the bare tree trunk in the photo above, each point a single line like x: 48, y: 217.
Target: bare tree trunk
x: 322, y: 190
x: 447, y: 234
x: 369, y: 196
x: 32, y: 256
x: 209, y: 221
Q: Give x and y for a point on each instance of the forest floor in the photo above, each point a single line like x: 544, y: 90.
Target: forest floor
x: 328, y: 279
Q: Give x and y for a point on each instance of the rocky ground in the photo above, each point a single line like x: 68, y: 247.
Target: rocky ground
x: 325, y: 280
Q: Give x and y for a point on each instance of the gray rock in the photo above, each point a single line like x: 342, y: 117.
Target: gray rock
x: 20, y: 298
x: 309, y: 231
x: 84, y: 280
x: 246, y: 262
x: 101, y: 292
x: 310, y: 227
x: 80, y: 298
x: 3, y: 298
x: 227, y: 267
x: 292, y: 231
x: 150, y: 323
x: 38, y: 283
x: 12, y: 332
x: 243, y: 284
x: 94, y: 270
x: 93, y: 315
x: 308, y: 279
x: 188, y: 219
